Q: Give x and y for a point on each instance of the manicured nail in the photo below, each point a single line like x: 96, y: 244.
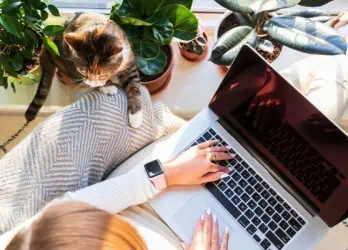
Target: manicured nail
x: 226, y: 230
x: 214, y: 218
x: 233, y: 155
x: 230, y: 168
x: 224, y: 176
x: 208, y: 211
x: 202, y: 217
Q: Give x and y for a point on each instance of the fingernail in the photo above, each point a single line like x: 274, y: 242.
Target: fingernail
x: 230, y: 168
x: 208, y: 211
x: 229, y: 147
x: 233, y: 155
x: 202, y: 217
x: 214, y: 218
x: 224, y: 176
x: 226, y: 230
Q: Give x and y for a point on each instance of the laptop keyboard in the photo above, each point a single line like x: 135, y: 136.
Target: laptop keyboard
x: 258, y: 208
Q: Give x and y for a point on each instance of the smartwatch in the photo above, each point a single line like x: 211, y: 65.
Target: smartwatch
x: 155, y: 173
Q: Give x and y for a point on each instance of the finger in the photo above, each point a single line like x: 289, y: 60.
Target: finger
x: 224, y: 243
x: 215, y: 234
x: 210, y: 177
x: 340, y: 24
x: 207, y: 144
x: 197, y: 235
x: 217, y: 168
x: 207, y: 229
x: 217, y: 149
x: 220, y: 156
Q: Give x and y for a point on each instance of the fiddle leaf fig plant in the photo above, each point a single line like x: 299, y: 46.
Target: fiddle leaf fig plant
x: 22, y: 32
x: 152, y: 24
x: 262, y: 20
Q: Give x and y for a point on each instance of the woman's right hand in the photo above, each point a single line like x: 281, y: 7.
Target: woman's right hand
x: 206, y: 235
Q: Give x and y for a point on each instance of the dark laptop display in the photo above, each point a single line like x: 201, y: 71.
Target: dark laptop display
x: 295, y: 139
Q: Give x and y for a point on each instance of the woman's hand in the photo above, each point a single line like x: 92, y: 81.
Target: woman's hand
x: 196, y: 165
x: 339, y: 21
x: 206, y: 235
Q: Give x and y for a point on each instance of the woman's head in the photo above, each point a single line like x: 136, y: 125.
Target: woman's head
x: 78, y: 226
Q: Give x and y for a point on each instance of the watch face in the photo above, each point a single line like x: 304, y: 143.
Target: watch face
x: 153, y: 169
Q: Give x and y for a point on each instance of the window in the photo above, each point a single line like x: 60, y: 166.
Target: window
x: 84, y: 5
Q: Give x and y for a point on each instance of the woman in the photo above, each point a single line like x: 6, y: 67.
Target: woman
x: 67, y: 223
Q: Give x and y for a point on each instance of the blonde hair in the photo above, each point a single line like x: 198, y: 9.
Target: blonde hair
x: 78, y: 226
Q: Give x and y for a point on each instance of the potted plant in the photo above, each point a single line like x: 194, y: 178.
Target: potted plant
x: 267, y: 27
x: 22, y: 32
x: 150, y: 27
x: 197, y: 48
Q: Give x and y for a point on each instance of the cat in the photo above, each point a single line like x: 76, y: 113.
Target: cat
x: 94, y: 51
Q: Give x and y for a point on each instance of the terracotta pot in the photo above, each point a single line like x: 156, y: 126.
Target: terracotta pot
x: 157, y: 85
x: 193, y: 56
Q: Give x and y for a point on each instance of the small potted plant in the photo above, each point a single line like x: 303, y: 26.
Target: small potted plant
x: 197, y: 48
x: 268, y: 26
x: 150, y: 27
x: 22, y: 32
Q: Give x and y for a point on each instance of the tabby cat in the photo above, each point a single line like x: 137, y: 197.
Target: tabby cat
x: 93, y: 51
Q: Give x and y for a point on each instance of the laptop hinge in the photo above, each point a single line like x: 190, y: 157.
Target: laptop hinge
x: 303, y: 201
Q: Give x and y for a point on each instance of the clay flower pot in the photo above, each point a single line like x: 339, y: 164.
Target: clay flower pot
x: 193, y: 56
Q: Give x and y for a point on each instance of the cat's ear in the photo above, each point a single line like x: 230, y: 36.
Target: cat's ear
x: 73, y: 39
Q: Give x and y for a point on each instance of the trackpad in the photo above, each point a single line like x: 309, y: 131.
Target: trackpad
x: 187, y: 216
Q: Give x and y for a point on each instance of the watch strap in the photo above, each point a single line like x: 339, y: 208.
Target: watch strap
x: 159, y: 182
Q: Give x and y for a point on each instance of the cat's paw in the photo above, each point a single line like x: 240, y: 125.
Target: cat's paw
x: 136, y: 119
x: 109, y: 90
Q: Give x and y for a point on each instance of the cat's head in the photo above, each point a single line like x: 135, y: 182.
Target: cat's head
x: 97, y: 53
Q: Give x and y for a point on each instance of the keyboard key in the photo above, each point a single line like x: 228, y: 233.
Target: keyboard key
x: 272, y: 192
x: 291, y: 232
x: 265, y: 194
x: 229, y: 193
x: 232, y: 162
x: 200, y: 140
x: 251, y: 229
x: 275, y: 241
x: 252, y: 204
x: 279, y: 208
x: 242, y: 207
x: 223, y: 163
x: 256, y: 197
x: 276, y: 218
x: 239, y: 168
x: 232, y: 184
x: 256, y: 221
x: 258, y: 187
x: 227, y: 178
x: 265, y: 218
x: 286, y: 215
x: 235, y: 200
x: 283, y: 236
x: 238, y: 190
x: 223, y: 143
x: 236, y: 177
x: 243, y: 183
x: 272, y: 201
x: 279, y: 199
x: 283, y: 224
x: 211, y: 131
x: 257, y: 238
x: 258, y: 177
x: 245, y: 165
x: 270, y: 211
x: 245, y: 197
x: 243, y: 221
x: 263, y: 228
x: 223, y: 200
x: 217, y: 137
x: 293, y: 213
x: 301, y: 221
x: 286, y: 205
x: 250, y: 214
x: 265, y: 185
x: 222, y: 186
x: 249, y: 190
x: 272, y: 225
x: 207, y: 136
x: 194, y: 144
x: 295, y: 225
x: 258, y: 211
x: 251, y: 171
x: 263, y: 204
x: 238, y: 158
x: 252, y: 181
x: 245, y: 174
x: 265, y: 244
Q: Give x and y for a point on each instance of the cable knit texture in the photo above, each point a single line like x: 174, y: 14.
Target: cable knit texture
x: 76, y: 147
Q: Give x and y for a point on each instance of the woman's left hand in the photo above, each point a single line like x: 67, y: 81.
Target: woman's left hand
x: 198, y: 165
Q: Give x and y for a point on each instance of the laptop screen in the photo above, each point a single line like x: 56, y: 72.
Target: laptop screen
x: 295, y: 139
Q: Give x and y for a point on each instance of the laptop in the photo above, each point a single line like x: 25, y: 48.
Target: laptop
x: 289, y: 180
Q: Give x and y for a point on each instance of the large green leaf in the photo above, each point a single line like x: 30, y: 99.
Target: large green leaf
x: 161, y: 32
x: 185, y: 23
x: 314, y: 3
x: 145, y: 8
x: 256, y: 6
x: 53, y: 9
x: 186, y: 3
x: 305, y: 35
x: 7, y: 3
x: 123, y: 12
x: 51, y: 46
x: 11, y: 25
x: 53, y: 30
x: 150, y: 58
x: 228, y: 45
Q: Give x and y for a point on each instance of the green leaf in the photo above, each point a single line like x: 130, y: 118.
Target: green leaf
x: 145, y: 8
x: 229, y: 44
x: 185, y: 23
x: 11, y: 25
x: 44, y: 15
x: 186, y: 3
x: 51, y: 46
x: 17, y: 62
x: 7, y: 3
x: 125, y: 13
x: 11, y: 9
x: 53, y: 30
x: 305, y: 35
x: 8, y: 69
x: 314, y: 3
x: 256, y: 6
x: 53, y: 9
x: 150, y: 58
x: 41, y: 6
x: 161, y: 32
